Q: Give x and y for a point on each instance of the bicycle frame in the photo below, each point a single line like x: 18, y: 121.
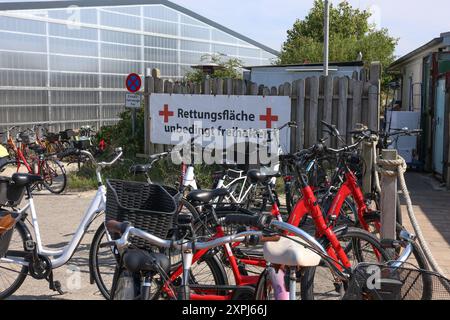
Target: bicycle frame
x: 61, y: 256
x: 241, y: 280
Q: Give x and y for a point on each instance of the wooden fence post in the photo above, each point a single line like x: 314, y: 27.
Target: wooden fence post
x: 300, y: 114
x: 388, y: 198
x: 375, y: 80
x: 367, y: 157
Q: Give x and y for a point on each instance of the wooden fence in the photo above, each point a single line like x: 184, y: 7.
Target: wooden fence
x: 344, y: 102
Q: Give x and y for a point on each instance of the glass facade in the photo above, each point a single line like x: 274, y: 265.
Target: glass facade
x: 67, y: 67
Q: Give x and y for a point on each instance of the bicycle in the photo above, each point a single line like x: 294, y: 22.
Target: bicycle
x: 302, y: 251
x: 51, y: 170
x: 30, y: 256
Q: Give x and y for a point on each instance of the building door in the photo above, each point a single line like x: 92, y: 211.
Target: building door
x: 439, y: 124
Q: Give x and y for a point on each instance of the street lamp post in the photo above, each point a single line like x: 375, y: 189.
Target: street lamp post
x: 326, y: 38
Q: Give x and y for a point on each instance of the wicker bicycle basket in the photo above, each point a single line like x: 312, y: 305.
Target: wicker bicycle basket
x: 148, y: 207
x: 378, y: 282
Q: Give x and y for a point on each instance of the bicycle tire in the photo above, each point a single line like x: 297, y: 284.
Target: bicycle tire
x: 307, y: 283
x: 22, y: 274
x: 49, y: 186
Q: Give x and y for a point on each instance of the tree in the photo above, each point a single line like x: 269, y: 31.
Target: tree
x: 230, y: 68
x: 350, y: 34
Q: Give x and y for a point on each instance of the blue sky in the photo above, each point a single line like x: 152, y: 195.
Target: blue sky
x: 415, y: 22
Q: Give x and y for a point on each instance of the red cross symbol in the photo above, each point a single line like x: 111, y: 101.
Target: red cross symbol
x: 268, y: 118
x: 166, y: 113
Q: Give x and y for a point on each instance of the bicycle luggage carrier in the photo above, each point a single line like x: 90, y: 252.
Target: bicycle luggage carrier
x: 10, y: 195
x: 148, y: 207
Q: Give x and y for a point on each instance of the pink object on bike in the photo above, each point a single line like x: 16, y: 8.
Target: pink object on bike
x: 278, y: 284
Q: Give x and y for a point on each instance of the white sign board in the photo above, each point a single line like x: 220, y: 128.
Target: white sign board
x: 406, y: 146
x: 133, y: 101
x: 199, y: 115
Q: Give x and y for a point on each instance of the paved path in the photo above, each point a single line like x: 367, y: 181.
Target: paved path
x: 60, y: 215
x: 432, y: 209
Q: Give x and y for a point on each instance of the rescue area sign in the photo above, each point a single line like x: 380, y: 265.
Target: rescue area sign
x: 202, y: 115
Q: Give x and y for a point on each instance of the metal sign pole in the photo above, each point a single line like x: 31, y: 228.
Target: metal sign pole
x: 326, y: 39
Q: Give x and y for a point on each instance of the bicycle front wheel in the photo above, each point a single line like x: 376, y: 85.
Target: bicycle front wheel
x: 54, y: 175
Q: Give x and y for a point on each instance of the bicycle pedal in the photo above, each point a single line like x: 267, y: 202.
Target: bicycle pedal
x: 56, y: 286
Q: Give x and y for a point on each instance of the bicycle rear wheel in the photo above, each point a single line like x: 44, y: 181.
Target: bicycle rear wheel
x: 318, y: 283
x: 54, y: 175
x: 13, y: 275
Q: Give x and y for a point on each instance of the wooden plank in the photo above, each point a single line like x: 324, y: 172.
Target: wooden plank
x: 219, y: 86
x: 388, y: 199
x: 313, y: 111
x: 273, y: 91
x: 260, y: 89
x: 177, y: 88
x: 328, y: 102
x: 206, y: 87
x: 343, y: 107
x: 374, y: 110
x: 254, y: 90
x: 228, y: 86
x: 357, y: 103
x: 368, y: 163
x: 300, y: 119
x: 365, y: 104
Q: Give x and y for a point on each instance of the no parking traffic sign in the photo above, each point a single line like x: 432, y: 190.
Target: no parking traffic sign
x: 133, y: 83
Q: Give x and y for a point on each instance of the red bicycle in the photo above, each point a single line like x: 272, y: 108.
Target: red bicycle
x: 30, y: 157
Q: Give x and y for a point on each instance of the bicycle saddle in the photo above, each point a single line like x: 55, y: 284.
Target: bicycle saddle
x: 256, y: 176
x: 136, y: 260
x: 139, y: 169
x: 289, y: 253
x: 25, y: 179
x: 205, y: 196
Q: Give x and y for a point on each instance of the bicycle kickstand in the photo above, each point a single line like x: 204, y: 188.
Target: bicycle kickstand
x: 54, y: 285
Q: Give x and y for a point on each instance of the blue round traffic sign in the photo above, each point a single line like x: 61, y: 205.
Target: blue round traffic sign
x: 133, y: 83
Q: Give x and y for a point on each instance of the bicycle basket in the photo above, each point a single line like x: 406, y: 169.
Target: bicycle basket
x: 148, y: 207
x: 7, y: 223
x: 378, y: 282
x: 67, y: 134
x: 28, y: 138
x: 52, y: 137
x: 10, y: 194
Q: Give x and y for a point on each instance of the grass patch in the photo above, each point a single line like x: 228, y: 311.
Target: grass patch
x: 164, y: 172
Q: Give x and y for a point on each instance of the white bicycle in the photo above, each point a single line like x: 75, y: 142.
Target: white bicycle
x: 22, y: 252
